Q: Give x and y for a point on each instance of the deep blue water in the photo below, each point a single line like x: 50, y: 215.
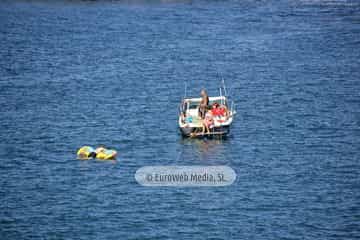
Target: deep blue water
x: 76, y: 73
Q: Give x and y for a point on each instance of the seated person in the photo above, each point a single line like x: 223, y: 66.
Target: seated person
x: 225, y: 110
x: 217, y: 111
x: 208, y: 122
x: 182, y: 117
x: 185, y: 118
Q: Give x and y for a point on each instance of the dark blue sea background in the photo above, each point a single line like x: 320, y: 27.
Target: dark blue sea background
x: 76, y: 73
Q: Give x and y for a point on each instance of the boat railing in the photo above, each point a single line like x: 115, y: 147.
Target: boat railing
x: 232, y: 108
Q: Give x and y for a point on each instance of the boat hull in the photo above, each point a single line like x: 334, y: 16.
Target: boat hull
x: 191, y: 125
x: 220, y: 131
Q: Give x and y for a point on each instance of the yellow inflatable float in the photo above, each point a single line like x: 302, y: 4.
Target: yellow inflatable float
x: 87, y: 152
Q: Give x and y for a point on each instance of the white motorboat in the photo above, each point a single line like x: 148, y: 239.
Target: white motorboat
x: 192, y: 125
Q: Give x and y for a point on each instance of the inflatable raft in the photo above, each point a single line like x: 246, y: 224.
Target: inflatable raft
x: 87, y: 152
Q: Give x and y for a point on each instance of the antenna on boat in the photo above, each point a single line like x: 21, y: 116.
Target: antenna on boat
x: 233, y: 111
x: 224, y: 87
x: 185, y: 91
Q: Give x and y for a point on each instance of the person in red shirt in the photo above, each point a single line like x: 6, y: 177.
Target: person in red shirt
x: 217, y: 110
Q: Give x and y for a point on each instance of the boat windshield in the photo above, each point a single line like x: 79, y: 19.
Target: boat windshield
x: 193, y: 105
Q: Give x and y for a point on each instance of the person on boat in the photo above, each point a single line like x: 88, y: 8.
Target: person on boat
x: 225, y: 110
x: 204, y: 104
x: 208, y: 122
x: 217, y: 111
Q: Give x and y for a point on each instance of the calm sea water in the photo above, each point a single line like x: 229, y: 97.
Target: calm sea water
x: 76, y: 73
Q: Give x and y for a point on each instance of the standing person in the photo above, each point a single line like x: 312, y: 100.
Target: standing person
x: 203, y: 104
